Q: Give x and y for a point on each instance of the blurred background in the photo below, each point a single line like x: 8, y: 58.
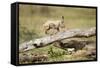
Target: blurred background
x: 32, y: 18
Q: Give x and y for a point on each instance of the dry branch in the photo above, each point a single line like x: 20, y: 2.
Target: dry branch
x: 41, y: 42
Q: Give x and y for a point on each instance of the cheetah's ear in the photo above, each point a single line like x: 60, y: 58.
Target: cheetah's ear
x: 62, y: 17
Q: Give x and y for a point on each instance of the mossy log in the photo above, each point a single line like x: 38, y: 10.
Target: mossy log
x: 44, y: 41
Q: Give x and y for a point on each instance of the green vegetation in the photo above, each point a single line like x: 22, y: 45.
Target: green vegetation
x: 31, y: 19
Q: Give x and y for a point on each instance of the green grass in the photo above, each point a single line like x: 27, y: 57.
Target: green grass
x: 31, y: 19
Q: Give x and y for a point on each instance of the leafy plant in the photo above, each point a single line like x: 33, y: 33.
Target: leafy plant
x: 55, y: 54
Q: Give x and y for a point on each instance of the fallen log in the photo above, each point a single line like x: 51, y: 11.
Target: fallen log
x: 41, y: 42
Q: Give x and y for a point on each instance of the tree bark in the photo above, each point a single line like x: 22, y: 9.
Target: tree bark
x: 41, y: 42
